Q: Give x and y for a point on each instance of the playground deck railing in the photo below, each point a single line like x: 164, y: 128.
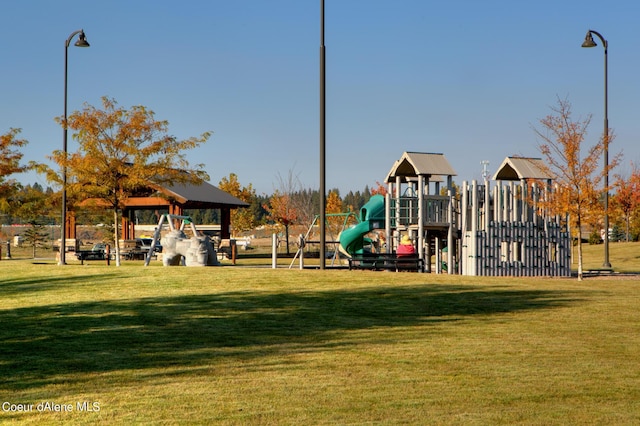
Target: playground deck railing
x: 405, y: 211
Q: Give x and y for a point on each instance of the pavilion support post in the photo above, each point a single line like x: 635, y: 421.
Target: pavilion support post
x: 225, y: 223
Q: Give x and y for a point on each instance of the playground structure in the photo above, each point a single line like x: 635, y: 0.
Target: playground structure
x: 481, y: 231
x: 178, y: 248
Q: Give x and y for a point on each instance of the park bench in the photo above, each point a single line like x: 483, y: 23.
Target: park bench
x: 387, y: 262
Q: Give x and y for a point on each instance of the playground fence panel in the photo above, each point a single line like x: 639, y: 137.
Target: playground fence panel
x: 507, y: 234
x: 505, y: 250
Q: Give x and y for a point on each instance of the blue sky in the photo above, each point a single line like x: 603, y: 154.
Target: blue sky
x: 465, y: 78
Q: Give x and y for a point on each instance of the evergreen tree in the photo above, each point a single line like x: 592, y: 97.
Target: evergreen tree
x: 36, y: 236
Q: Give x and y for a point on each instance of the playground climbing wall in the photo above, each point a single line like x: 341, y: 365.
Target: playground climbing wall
x: 521, y: 249
x: 505, y: 233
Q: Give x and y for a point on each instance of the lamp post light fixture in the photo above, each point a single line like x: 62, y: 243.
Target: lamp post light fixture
x: 82, y: 42
x: 588, y: 42
x: 323, y: 194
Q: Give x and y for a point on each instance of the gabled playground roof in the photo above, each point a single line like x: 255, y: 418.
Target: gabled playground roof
x: 413, y: 164
x: 519, y: 168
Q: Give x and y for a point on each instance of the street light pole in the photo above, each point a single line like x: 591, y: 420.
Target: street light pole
x: 82, y: 42
x: 588, y: 42
x: 323, y: 194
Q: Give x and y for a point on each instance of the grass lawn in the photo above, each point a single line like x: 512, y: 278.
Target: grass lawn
x: 86, y: 344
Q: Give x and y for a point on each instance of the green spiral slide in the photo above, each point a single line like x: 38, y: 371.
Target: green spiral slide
x: 371, y: 217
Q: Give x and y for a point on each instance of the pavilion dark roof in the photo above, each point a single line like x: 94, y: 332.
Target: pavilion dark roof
x: 203, y: 195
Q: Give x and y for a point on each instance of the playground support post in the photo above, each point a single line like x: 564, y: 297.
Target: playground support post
x: 421, y: 208
x: 274, y: 251
x: 301, y: 244
x: 387, y: 218
x: 451, y: 265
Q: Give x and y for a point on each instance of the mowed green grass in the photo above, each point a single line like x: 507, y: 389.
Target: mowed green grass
x: 238, y: 345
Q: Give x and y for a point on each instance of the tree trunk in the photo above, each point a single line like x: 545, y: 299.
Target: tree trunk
x: 116, y: 236
x: 628, y: 218
x: 579, y: 259
x: 579, y: 250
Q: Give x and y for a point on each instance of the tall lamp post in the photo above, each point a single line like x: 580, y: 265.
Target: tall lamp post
x: 588, y: 42
x: 82, y: 42
x: 323, y: 195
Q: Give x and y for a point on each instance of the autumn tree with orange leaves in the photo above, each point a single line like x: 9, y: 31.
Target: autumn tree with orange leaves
x: 121, y: 151
x: 379, y: 189
x: 10, y: 157
x: 333, y: 207
x: 241, y: 219
x: 281, y: 210
x: 626, y: 200
x: 577, y: 175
